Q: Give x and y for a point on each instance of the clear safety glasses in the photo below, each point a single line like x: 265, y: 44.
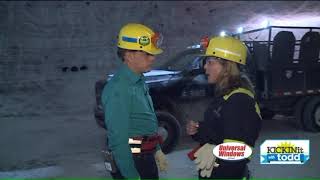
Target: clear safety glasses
x: 157, y: 39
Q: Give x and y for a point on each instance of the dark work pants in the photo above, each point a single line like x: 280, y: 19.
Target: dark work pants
x: 145, y: 165
x: 229, y: 170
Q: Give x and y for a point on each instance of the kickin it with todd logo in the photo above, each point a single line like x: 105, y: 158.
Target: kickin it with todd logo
x: 284, y: 152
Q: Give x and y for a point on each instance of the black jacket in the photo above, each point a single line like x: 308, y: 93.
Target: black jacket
x: 235, y: 118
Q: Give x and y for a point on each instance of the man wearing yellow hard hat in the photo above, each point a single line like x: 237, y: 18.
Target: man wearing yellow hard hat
x: 233, y: 115
x: 130, y: 117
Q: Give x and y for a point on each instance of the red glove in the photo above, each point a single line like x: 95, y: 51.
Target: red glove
x: 191, y: 153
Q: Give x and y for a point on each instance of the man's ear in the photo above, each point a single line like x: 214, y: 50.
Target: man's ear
x: 128, y: 56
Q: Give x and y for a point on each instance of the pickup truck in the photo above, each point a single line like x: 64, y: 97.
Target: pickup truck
x: 285, y: 72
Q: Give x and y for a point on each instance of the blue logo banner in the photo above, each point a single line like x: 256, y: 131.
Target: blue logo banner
x: 285, y: 157
x: 129, y: 39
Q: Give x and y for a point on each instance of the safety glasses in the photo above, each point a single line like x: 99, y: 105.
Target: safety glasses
x: 157, y: 39
x: 204, y: 42
x: 211, y: 59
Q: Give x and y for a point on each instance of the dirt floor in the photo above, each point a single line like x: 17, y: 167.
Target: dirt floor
x: 74, y: 143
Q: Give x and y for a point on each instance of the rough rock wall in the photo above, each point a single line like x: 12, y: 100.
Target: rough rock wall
x: 51, y: 53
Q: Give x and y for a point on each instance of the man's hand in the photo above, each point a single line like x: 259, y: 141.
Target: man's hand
x: 205, y: 160
x: 161, y: 160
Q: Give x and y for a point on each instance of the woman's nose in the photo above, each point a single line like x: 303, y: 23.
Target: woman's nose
x: 205, y: 66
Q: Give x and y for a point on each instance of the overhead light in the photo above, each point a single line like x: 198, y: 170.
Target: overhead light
x: 265, y: 24
x: 240, y: 29
x: 222, y: 33
x: 194, y: 46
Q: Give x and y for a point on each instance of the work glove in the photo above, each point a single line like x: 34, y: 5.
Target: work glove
x: 161, y: 160
x: 205, y: 160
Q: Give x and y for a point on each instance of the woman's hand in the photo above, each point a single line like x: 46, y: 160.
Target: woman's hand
x: 192, y: 127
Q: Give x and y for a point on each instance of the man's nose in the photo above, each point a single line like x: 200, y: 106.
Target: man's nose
x: 152, y: 58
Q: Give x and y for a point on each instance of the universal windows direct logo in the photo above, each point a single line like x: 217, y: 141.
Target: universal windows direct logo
x: 284, y: 152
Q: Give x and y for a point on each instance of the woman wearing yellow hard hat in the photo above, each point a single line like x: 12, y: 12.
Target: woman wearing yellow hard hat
x: 232, y: 116
x: 130, y: 119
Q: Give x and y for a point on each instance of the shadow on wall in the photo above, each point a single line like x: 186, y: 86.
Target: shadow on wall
x: 74, y: 68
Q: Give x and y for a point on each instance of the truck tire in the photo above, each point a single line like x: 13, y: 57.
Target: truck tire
x: 169, y: 129
x: 311, y: 115
x: 99, y: 116
x: 298, y: 112
x: 267, y: 114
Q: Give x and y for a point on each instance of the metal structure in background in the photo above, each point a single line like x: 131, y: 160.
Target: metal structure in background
x: 286, y: 66
x: 287, y: 71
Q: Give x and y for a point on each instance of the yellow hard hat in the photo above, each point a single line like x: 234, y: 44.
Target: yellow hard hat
x: 227, y: 48
x: 139, y: 37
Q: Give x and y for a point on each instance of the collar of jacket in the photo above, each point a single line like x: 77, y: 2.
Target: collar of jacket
x: 130, y: 75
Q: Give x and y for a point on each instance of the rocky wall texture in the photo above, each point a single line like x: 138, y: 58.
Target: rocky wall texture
x: 51, y: 53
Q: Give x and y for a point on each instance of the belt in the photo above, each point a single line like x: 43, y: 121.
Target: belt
x: 144, y: 144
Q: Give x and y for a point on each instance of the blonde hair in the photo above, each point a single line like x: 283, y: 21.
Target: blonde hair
x: 231, y: 78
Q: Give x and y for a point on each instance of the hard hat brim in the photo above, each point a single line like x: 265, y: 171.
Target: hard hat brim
x: 154, y: 51
x: 207, y: 55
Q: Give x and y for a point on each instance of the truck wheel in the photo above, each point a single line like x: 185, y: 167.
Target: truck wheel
x: 267, y: 114
x: 311, y: 115
x: 99, y: 116
x: 298, y: 112
x: 169, y: 129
